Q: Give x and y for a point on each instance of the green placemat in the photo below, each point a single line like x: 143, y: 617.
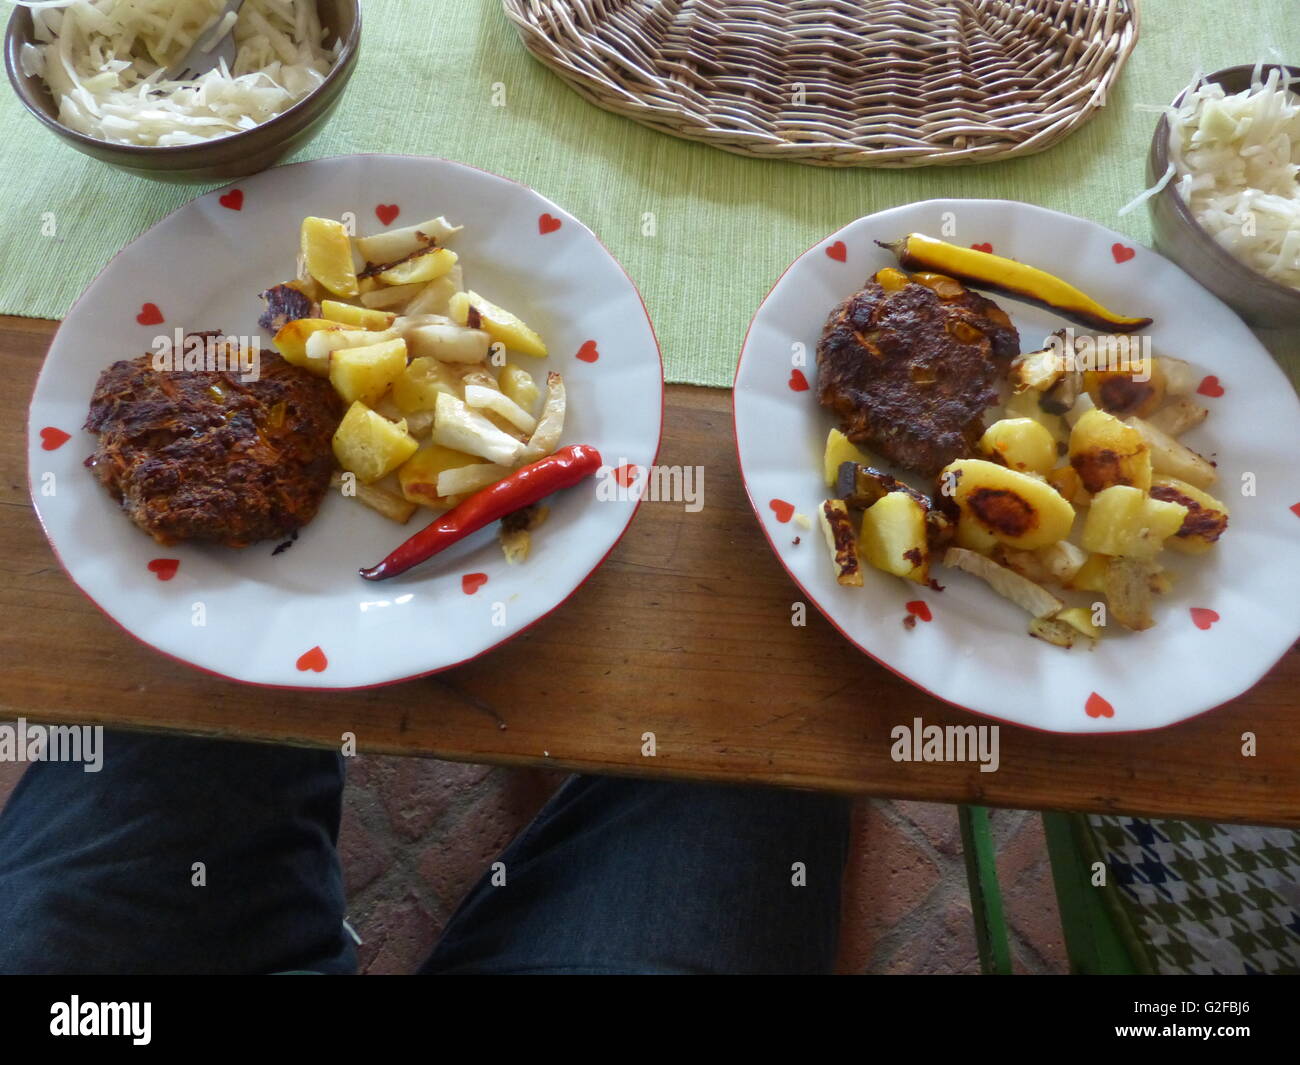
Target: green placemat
x: 703, y: 233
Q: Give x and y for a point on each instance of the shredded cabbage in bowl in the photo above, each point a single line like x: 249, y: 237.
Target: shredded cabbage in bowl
x: 1234, y: 160
x: 104, y: 61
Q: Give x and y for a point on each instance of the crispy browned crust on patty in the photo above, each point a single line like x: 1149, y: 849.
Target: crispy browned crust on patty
x: 206, y: 456
x: 910, y: 374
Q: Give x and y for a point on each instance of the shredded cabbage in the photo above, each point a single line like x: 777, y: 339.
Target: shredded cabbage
x: 103, y: 60
x: 1235, y: 161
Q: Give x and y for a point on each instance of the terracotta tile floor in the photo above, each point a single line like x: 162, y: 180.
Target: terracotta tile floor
x: 417, y: 833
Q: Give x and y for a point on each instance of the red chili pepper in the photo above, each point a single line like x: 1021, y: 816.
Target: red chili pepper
x: 527, y: 485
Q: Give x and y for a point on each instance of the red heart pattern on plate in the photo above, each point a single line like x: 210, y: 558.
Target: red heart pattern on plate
x: 164, y: 568
x: 798, y: 382
x: 313, y: 660
x: 472, y: 582
x: 838, y: 251
x: 150, y: 315
x: 1295, y: 507
x: 919, y: 608
x: 52, y: 439
x: 232, y: 200
x: 547, y: 223
x: 784, y: 511
x: 1122, y: 253
x: 588, y: 352
x: 1210, y: 387
x: 386, y: 212
x: 1203, y: 617
x: 1096, y: 706
x: 985, y: 247
x: 626, y: 474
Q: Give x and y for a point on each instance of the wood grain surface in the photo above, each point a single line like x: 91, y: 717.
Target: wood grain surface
x: 684, y: 632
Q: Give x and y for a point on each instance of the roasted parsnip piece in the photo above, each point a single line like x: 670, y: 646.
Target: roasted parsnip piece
x: 1178, y: 415
x: 1034, y: 598
x: 837, y: 527
x: 1172, y: 458
x: 1127, y: 587
x: 389, y: 504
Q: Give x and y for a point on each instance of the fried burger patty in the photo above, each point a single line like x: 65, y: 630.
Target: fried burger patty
x: 909, y: 369
x: 206, y: 456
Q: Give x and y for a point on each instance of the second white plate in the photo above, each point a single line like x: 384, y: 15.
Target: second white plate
x: 1232, y: 614
x: 304, y: 618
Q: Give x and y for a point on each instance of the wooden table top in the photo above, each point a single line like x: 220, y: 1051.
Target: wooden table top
x: 684, y: 632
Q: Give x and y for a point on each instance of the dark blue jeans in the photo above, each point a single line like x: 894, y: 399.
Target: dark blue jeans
x: 98, y: 872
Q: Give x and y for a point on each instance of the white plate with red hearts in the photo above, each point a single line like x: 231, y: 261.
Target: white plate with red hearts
x: 1232, y: 613
x: 303, y: 617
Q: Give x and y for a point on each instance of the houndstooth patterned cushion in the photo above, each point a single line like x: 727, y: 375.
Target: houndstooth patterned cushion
x: 1207, y: 898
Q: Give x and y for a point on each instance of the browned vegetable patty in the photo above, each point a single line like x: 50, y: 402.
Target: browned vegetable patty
x: 910, y: 372
x: 206, y: 456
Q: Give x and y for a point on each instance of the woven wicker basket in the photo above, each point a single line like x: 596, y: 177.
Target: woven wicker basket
x: 841, y: 82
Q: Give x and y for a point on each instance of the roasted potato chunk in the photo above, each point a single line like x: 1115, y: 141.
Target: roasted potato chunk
x: 418, y: 476
x: 327, y: 251
x: 840, y: 449
x: 366, y: 373
x: 894, y: 537
x: 1124, y: 521
x: 1091, y: 576
x: 1066, y: 480
x: 1120, y: 393
x: 363, y: 317
x: 422, y: 267
x: 291, y: 342
x: 1020, y: 444
x: 1019, y: 510
x: 973, y: 536
x: 1105, y: 452
x: 1206, y: 520
x: 417, y: 387
x: 369, y: 445
x: 469, y: 308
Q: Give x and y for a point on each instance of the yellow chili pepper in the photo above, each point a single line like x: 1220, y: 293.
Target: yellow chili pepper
x: 919, y: 252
